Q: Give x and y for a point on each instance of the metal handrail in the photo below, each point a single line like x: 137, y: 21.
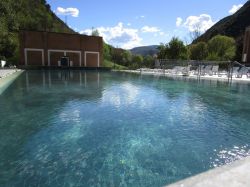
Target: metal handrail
x: 242, y: 65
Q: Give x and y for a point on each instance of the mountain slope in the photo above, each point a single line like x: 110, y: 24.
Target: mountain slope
x: 233, y: 26
x: 25, y: 15
x: 145, y: 50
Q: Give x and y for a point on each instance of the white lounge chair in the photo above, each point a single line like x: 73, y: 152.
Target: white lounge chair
x: 176, y: 70
x: 186, y: 70
x: 235, y: 71
x: 242, y: 71
x: 206, y: 70
x: 214, y: 70
x: 199, y: 70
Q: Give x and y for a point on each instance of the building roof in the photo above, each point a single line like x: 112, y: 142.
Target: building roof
x: 22, y: 30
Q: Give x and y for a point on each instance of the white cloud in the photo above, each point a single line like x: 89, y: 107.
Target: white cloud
x: 235, y: 8
x: 178, y: 21
x: 202, y: 23
x: 150, y: 29
x: 67, y: 11
x: 118, y: 35
x: 87, y: 31
x: 140, y: 17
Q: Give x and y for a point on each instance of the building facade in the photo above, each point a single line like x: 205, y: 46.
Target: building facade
x: 246, y: 47
x: 48, y: 48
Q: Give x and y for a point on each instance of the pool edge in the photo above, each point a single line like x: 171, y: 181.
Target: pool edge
x: 231, y: 175
x: 6, y: 81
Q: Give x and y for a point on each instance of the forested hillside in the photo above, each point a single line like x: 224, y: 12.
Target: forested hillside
x: 232, y: 26
x: 16, y: 15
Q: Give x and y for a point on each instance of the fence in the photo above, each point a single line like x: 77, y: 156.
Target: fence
x: 169, y: 64
x: 227, y: 69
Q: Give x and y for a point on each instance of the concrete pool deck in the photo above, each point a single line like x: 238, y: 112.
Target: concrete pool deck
x: 236, y: 174
x: 7, y: 76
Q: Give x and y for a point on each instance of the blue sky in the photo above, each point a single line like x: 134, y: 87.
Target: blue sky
x: 132, y: 23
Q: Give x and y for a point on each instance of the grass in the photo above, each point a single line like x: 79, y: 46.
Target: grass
x: 110, y: 64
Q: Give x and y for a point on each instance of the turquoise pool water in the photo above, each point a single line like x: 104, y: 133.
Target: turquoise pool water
x: 61, y: 128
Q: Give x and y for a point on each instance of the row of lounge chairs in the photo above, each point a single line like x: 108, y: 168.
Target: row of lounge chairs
x: 209, y: 70
x: 186, y: 70
x: 203, y: 70
x: 239, y: 72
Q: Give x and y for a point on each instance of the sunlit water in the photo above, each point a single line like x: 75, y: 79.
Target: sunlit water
x: 60, y: 128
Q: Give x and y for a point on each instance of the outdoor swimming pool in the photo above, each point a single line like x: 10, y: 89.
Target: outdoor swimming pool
x: 76, y: 128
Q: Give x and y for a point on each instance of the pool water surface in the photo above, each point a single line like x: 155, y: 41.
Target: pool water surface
x: 107, y: 129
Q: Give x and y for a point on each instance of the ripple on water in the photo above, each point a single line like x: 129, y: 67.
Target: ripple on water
x: 226, y: 156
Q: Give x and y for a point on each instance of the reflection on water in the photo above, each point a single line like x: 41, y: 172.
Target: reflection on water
x: 66, y: 76
x: 80, y: 128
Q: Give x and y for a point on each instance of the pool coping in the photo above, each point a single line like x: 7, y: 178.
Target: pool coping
x: 63, y: 68
x: 6, y: 81
x: 231, y: 175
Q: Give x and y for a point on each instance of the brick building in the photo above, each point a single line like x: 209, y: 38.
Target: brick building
x: 47, y: 49
x: 246, y: 47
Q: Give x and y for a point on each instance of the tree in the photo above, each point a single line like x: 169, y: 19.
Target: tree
x: 196, y: 33
x: 106, y: 51
x: 221, y: 48
x: 137, y: 59
x: 176, y: 49
x: 161, y: 51
x: 149, y: 61
x: 116, y: 55
x: 8, y: 45
x: 95, y: 32
x: 198, y: 51
x: 126, y: 58
x: 136, y: 62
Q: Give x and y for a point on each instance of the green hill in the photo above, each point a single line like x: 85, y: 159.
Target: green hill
x: 18, y: 15
x: 233, y: 26
x: 145, y: 50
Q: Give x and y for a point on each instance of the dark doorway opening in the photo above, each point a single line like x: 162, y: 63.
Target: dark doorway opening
x: 65, y: 62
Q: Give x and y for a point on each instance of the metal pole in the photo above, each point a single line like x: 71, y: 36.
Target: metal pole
x: 231, y: 70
